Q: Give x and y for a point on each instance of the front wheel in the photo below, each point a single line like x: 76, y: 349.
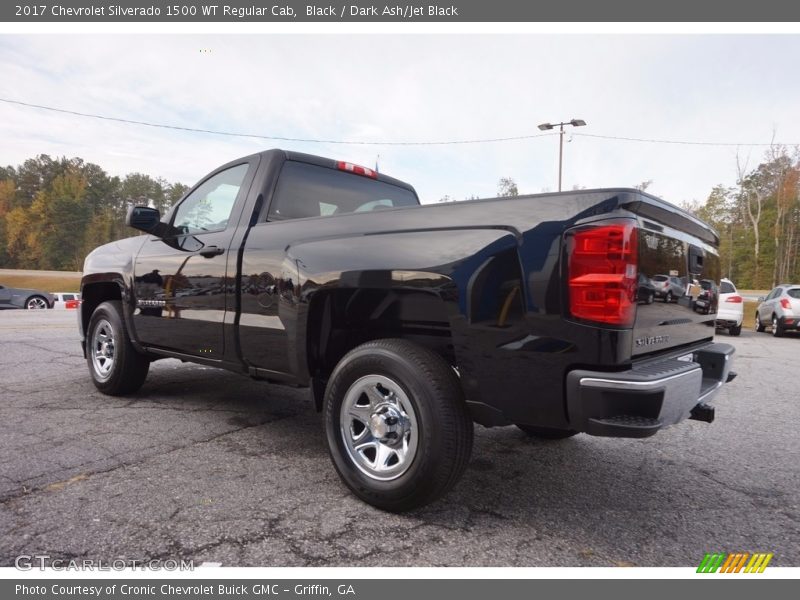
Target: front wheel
x: 547, y: 433
x: 668, y: 297
x: 114, y: 364
x: 398, y: 429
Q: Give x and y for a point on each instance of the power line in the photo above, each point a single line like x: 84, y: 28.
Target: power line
x: 681, y: 142
x: 382, y: 143
x: 269, y: 137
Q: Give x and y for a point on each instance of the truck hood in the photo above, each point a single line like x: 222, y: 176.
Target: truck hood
x: 113, y: 257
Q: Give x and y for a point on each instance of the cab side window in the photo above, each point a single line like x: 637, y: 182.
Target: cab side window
x: 209, y: 207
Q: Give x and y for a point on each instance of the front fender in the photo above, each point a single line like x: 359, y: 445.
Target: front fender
x: 108, y: 275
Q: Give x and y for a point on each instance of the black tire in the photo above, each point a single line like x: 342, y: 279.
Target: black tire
x: 547, y: 433
x: 777, y: 328
x: 650, y: 297
x: 735, y: 331
x: 444, y: 430
x: 759, y: 327
x: 127, y: 368
x: 36, y: 302
x: 668, y: 297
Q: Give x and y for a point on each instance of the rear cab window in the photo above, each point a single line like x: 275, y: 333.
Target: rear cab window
x: 726, y: 287
x: 306, y: 190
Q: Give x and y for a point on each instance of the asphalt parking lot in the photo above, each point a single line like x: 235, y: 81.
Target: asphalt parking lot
x: 210, y: 466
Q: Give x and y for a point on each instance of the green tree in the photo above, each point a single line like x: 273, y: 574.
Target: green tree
x: 57, y: 221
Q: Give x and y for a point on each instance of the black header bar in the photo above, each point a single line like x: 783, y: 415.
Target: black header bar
x: 455, y: 11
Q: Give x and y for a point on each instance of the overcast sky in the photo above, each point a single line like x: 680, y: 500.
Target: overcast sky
x: 711, y: 88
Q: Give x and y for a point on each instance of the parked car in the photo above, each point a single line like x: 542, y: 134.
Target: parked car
x: 411, y: 322
x: 25, y: 298
x: 646, y: 291
x: 66, y: 300
x: 730, y: 311
x: 780, y: 310
x: 668, y: 288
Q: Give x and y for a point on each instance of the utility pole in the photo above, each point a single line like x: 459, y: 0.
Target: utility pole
x: 546, y: 126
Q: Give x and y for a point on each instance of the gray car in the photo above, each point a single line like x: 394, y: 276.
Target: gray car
x: 780, y: 310
x: 24, y: 298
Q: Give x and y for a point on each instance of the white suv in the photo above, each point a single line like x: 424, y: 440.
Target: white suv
x: 730, y: 310
x: 66, y: 299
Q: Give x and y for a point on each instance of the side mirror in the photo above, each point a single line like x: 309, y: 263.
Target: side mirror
x: 761, y: 298
x: 143, y: 218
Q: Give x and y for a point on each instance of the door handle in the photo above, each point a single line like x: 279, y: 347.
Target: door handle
x: 211, y: 251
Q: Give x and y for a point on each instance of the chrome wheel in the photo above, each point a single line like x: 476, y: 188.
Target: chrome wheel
x: 379, y: 427
x: 36, y: 303
x: 103, y: 349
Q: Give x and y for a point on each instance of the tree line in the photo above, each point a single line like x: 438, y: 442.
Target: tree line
x: 758, y: 221
x: 54, y: 211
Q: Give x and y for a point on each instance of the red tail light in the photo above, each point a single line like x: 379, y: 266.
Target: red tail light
x: 785, y: 303
x: 357, y: 169
x: 736, y: 299
x: 602, y: 270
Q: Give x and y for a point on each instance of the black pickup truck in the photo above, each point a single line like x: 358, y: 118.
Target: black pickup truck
x: 410, y: 322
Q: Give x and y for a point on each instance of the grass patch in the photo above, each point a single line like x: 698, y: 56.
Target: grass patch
x: 68, y: 282
x: 749, y: 320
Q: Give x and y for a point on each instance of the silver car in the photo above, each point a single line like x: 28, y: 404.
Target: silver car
x: 780, y: 310
x: 668, y: 288
x: 24, y: 298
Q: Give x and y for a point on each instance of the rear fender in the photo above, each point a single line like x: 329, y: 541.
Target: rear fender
x: 444, y: 262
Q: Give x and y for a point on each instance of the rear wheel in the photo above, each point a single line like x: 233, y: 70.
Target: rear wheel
x: 735, y: 330
x: 398, y: 428
x: 547, y: 433
x: 777, y: 328
x: 36, y: 303
x: 758, y: 325
x: 115, y: 365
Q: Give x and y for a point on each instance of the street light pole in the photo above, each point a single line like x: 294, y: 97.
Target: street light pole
x: 560, y: 153
x: 546, y: 126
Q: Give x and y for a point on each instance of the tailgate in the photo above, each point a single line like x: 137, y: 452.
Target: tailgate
x: 675, y: 244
